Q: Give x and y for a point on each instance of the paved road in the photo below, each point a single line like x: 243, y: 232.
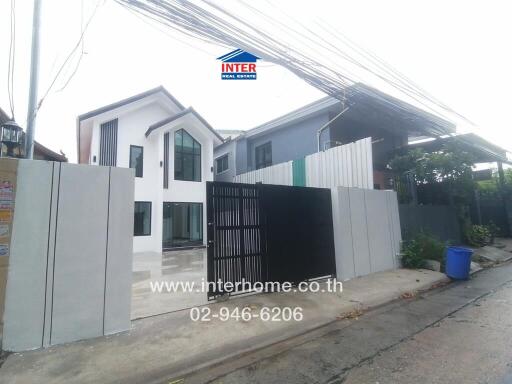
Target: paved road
x: 461, y: 333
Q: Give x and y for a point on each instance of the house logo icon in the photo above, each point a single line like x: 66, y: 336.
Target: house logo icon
x: 238, y: 65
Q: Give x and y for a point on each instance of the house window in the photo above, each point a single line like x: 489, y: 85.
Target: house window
x: 222, y: 164
x: 187, y: 157
x: 182, y: 224
x: 264, y: 155
x: 137, y: 159
x: 142, y: 219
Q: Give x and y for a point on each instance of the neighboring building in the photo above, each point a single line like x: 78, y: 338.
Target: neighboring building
x: 229, y: 134
x: 40, y: 151
x: 390, y: 123
x: 170, y: 148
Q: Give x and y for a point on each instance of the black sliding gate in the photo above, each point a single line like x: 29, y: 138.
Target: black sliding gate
x: 259, y: 233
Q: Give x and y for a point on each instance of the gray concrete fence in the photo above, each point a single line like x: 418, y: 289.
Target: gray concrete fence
x: 70, y: 254
x: 366, y: 231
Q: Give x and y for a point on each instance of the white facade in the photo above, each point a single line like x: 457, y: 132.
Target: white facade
x: 134, y: 119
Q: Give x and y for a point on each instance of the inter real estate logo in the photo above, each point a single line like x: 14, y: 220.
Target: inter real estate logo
x: 238, y: 65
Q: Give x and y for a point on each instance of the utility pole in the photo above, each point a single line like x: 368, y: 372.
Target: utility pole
x: 34, y: 79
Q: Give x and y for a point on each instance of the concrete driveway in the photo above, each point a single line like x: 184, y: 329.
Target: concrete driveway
x: 172, y: 266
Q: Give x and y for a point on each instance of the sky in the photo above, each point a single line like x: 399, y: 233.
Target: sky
x: 459, y: 51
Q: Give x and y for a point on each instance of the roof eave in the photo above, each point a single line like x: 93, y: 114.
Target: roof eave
x: 129, y: 100
x: 170, y: 119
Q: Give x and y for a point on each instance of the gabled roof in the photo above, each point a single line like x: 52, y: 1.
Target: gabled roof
x: 363, y: 98
x: 184, y: 112
x: 129, y: 100
x: 238, y: 56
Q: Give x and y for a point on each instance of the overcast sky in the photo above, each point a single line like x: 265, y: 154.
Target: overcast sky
x: 460, y: 51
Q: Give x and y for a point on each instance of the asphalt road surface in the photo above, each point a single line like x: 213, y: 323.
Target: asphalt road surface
x: 460, y: 333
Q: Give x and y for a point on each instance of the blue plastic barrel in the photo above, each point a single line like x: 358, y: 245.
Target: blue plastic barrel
x: 458, y: 262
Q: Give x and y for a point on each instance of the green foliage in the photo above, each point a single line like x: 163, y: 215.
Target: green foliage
x: 452, y: 165
x: 477, y: 235
x: 492, y: 189
x: 421, y: 248
x: 494, y: 230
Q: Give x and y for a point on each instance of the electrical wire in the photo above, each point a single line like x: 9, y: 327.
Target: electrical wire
x: 12, y: 56
x: 69, y: 57
x: 331, y: 68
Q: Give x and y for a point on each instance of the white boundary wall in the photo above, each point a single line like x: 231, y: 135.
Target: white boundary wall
x: 348, y: 165
x: 280, y: 174
x: 366, y: 228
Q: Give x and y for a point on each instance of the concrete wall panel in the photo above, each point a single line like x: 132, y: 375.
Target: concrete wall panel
x: 379, y: 229
x: 366, y: 231
x: 118, y: 282
x: 80, y: 253
x: 345, y: 266
x: 395, y: 233
x: 359, y: 232
x: 51, y: 254
x: 26, y: 283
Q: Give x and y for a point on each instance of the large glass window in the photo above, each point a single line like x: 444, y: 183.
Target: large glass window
x: 142, y: 219
x: 264, y: 155
x: 182, y: 224
x: 222, y: 164
x: 187, y: 157
x: 137, y: 159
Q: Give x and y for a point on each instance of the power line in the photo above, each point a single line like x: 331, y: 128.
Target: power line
x: 12, y: 56
x: 69, y: 57
x: 326, y: 69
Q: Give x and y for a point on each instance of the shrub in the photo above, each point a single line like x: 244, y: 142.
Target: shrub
x: 420, y: 248
x: 477, y: 235
x: 494, y: 231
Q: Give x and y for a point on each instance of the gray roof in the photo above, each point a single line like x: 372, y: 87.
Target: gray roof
x: 184, y: 112
x: 129, y: 100
x: 358, y: 94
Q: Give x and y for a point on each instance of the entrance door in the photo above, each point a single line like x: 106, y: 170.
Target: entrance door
x: 182, y: 225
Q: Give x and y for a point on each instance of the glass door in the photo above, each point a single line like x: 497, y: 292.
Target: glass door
x: 182, y: 224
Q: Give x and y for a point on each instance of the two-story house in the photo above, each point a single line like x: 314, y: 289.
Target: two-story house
x: 170, y: 148
x: 331, y: 121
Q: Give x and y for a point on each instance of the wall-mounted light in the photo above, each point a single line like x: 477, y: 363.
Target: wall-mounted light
x: 12, y: 136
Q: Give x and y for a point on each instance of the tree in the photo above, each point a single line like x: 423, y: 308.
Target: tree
x: 451, y: 165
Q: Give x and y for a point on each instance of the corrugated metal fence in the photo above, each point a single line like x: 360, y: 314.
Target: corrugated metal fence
x: 348, y: 165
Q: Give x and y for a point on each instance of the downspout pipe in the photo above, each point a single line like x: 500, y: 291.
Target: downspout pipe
x: 326, y: 125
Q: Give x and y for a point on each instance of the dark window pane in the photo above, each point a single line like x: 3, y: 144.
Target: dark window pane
x: 197, y: 148
x: 188, y: 143
x: 182, y: 225
x: 187, y: 157
x: 188, y: 166
x: 263, y: 155
x: 178, y: 166
x: 178, y: 137
x: 142, y: 218
x: 137, y: 159
x: 222, y: 164
x: 197, y: 168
